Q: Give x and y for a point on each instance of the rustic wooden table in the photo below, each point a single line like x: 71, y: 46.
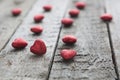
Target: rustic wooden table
x: 98, y: 45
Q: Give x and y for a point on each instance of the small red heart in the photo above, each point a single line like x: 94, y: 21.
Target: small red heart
x: 16, y: 11
x: 69, y: 39
x: 74, y: 12
x: 80, y: 5
x: 38, y: 18
x: 19, y: 43
x: 39, y: 47
x: 47, y: 7
x: 106, y: 17
x: 67, y: 54
x: 67, y: 21
x: 36, y: 29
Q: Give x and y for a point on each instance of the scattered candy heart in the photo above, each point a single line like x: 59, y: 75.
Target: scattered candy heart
x: 38, y: 18
x: 80, y: 5
x: 39, y: 47
x: 47, y: 7
x: 74, y: 12
x: 69, y: 39
x: 16, y: 11
x: 67, y: 21
x: 19, y: 43
x: 106, y: 17
x: 68, y: 54
x: 37, y: 29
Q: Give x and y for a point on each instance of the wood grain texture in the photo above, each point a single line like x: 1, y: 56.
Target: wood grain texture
x: 8, y: 23
x: 93, y: 60
x: 22, y: 64
x: 112, y: 7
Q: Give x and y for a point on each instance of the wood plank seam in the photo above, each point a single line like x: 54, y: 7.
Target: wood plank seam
x: 55, y: 49
x: 112, y: 49
x: 113, y: 7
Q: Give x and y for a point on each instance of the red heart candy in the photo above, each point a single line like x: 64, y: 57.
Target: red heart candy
x: 74, y: 12
x: 37, y: 29
x: 67, y: 21
x: 80, y: 5
x: 19, y: 43
x: 16, y: 11
x: 39, y: 47
x: 106, y: 17
x: 69, y: 39
x: 47, y: 7
x: 38, y: 18
x: 67, y: 54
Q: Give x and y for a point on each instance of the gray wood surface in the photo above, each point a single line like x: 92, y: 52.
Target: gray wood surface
x: 8, y: 23
x: 113, y: 7
x: 22, y: 64
x: 93, y: 60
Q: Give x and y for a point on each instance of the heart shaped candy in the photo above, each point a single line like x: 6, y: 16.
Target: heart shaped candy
x: 68, y: 54
x: 39, y: 47
x: 19, y: 43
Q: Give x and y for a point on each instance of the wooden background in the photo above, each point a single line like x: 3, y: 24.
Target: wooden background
x: 98, y: 45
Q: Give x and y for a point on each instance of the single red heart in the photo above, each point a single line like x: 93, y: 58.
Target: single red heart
x: 67, y: 21
x: 47, y: 7
x: 39, y: 47
x: 80, y: 5
x: 38, y: 18
x: 36, y: 29
x: 106, y: 17
x: 74, y: 12
x: 69, y: 39
x: 16, y: 11
x: 68, y: 54
x: 19, y: 43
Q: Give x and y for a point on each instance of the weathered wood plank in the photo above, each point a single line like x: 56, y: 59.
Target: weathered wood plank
x: 8, y: 23
x: 93, y: 60
x: 22, y: 64
x: 113, y: 7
